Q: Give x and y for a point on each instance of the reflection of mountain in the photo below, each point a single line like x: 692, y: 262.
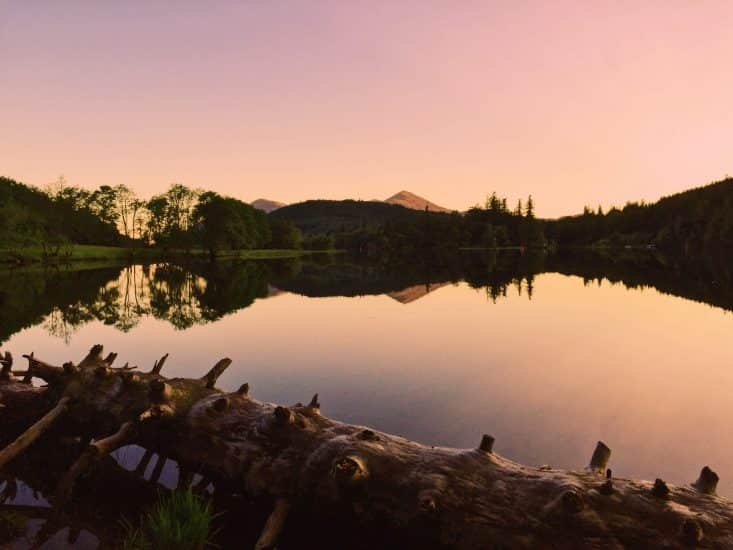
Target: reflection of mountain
x: 412, y: 293
x: 352, y: 279
x: 62, y: 299
x: 273, y: 291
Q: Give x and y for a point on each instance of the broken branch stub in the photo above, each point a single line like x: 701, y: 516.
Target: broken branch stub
x: 158, y: 365
x: 487, y: 443
x: 274, y: 525
x: 7, y: 365
x: 462, y: 499
x: 599, y: 460
x: 707, y: 482
x: 210, y: 378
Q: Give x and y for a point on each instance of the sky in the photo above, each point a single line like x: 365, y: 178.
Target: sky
x: 577, y: 103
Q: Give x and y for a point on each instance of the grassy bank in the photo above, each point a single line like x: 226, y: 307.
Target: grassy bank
x: 89, y: 253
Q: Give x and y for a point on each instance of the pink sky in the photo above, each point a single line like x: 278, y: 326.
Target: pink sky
x: 575, y: 102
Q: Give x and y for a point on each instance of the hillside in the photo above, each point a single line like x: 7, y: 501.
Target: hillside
x: 326, y: 216
x: 687, y: 222
x: 415, y: 202
x: 267, y: 205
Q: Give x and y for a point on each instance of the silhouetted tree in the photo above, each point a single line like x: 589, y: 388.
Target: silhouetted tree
x: 284, y: 234
x: 224, y: 223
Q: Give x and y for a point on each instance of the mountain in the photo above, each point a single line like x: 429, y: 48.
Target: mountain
x: 411, y: 200
x: 328, y: 217
x: 267, y: 205
x: 403, y: 198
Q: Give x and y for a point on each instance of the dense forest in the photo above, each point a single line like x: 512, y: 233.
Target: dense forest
x: 688, y: 222
x: 181, y: 218
x: 29, y: 216
x: 376, y: 229
x: 184, y: 219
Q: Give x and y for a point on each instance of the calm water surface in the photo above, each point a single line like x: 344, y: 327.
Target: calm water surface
x: 546, y: 362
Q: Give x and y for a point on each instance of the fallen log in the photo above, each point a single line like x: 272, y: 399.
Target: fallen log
x: 301, y: 460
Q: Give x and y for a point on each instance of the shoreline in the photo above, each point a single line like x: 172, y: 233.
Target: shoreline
x: 95, y: 253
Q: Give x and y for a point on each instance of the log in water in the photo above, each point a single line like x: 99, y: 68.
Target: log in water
x: 301, y: 460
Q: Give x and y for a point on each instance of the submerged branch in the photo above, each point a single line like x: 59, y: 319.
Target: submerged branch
x: 274, y: 525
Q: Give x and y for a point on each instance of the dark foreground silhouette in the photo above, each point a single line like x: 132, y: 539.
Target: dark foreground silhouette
x: 375, y: 487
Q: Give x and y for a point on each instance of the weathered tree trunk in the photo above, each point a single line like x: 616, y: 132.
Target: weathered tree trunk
x: 301, y: 460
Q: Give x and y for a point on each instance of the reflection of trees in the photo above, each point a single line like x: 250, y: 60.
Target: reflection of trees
x: 29, y: 295
x: 492, y: 272
x: 707, y: 279
x: 105, y: 306
x: 173, y: 295
x: 232, y: 287
x: 183, y: 296
x: 62, y: 300
x: 495, y: 272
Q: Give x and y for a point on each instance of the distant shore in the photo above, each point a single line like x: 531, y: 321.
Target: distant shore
x: 90, y: 253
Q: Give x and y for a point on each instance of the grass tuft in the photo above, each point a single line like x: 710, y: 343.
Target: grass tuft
x: 179, y: 521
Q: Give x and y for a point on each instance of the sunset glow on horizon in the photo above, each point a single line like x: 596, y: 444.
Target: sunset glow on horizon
x: 575, y: 103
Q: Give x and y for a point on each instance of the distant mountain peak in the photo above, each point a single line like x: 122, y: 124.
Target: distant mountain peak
x: 416, y: 202
x: 267, y: 205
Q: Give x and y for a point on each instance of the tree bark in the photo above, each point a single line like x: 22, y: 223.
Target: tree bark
x: 274, y: 525
x: 301, y: 460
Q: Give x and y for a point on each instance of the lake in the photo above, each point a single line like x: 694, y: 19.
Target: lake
x: 547, y: 353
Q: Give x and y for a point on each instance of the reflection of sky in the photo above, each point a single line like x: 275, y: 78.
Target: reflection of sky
x: 647, y: 373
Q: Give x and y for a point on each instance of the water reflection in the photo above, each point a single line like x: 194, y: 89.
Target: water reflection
x: 64, y: 299
x: 438, y: 352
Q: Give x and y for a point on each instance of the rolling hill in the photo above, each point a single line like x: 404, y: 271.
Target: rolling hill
x: 687, y: 222
x: 327, y: 216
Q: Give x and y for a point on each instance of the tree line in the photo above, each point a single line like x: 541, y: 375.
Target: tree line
x: 692, y: 222
x: 379, y: 230
x: 181, y: 218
